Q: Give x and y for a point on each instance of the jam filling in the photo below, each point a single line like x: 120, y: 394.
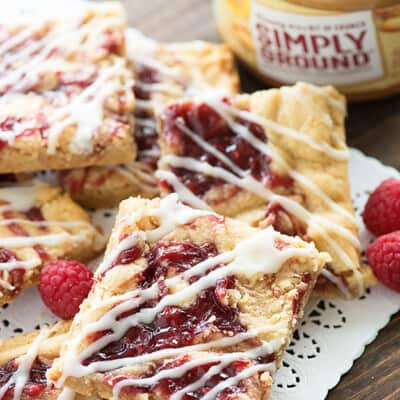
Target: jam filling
x: 306, y: 278
x: 35, y: 385
x: 214, y: 129
x: 146, y: 136
x: 128, y: 256
x: 71, y: 81
x: 112, y: 42
x: 174, y: 257
x: 175, y: 326
x: 75, y: 181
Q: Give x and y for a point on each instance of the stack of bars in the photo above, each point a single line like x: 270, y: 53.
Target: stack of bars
x: 243, y: 209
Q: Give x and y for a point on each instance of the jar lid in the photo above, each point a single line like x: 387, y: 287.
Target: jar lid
x: 345, y: 5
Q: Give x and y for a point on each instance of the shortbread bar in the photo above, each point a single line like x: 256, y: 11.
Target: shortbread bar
x: 38, y: 224
x: 65, y: 90
x: 32, y: 353
x: 187, y: 304
x: 24, y: 361
x: 276, y: 157
x: 164, y: 72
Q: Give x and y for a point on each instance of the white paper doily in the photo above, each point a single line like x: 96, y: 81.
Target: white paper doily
x: 330, y: 337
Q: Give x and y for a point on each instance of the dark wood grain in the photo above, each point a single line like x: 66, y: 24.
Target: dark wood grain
x: 372, y: 127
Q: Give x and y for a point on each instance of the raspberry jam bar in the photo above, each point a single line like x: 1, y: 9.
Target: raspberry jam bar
x: 277, y: 158
x: 65, y: 90
x: 164, y: 72
x: 24, y: 361
x: 187, y: 304
x: 39, y: 224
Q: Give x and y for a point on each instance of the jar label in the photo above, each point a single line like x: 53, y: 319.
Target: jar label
x: 338, y: 49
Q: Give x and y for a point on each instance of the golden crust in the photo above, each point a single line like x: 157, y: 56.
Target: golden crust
x: 319, y: 155
x: 264, y: 300
x: 205, y: 65
x: 80, y: 240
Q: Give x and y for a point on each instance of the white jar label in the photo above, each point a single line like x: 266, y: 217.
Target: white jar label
x: 339, y: 49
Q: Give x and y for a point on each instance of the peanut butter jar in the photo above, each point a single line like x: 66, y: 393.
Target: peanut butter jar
x: 352, y: 44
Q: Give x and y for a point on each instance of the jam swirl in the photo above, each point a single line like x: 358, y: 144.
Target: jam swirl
x: 175, y: 326
x: 210, y: 126
x: 207, y: 317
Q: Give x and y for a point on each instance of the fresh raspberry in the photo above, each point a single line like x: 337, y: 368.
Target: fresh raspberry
x: 384, y: 257
x: 64, y: 285
x: 382, y: 211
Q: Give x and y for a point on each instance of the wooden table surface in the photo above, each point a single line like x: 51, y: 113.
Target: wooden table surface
x: 372, y: 127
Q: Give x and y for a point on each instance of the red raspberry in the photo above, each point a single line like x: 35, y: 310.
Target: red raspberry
x: 64, y: 285
x: 384, y: 257
x: 382, y: 211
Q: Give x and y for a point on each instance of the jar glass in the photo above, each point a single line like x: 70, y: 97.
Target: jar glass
x: 352, y: 44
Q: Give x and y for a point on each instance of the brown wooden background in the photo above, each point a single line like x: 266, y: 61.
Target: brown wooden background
x: 372, y: 127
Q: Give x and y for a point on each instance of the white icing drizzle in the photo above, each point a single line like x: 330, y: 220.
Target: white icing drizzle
x: 147, y: 122
x: 25, y: 362
x: 337, y: 282
x: 162, y: 69
x: 123, y: 245
x: 28, y: 264
x: 43, y: 224
x: 234, y: 380
x: 246, y: 181
x: 137, y: 40
x: 151, y: 153
x: 159, y: 87
x: 5, y: 284
x: 254, y: 256
x: 183, y: 192
x: 144, y: 104
x: 19, y: 38
x: 171, y: 212
x: 66, y: 394
x: 51, y: 240
x: 139, y: 173
x: 163, y: 354
x: 20, y: 198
